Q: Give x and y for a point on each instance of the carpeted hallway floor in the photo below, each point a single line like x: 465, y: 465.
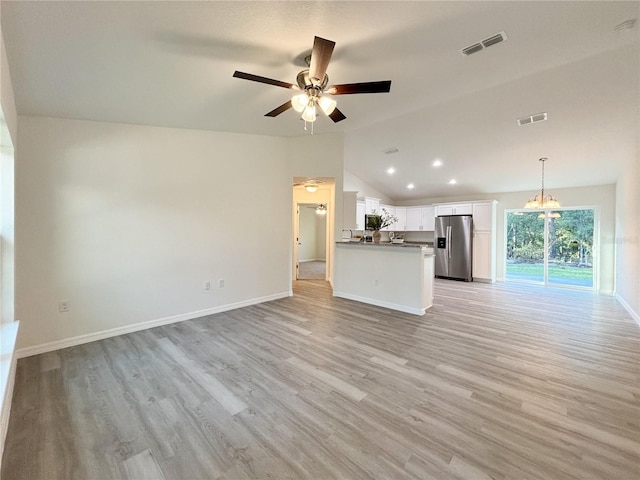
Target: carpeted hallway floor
x: 314, y: 270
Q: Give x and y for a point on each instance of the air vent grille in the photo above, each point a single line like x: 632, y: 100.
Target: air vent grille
x: 492, y: 40
x: 487, y: 42
x: 472, y: 49
x: 538, y: 117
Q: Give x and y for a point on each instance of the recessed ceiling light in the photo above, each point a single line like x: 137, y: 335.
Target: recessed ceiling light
x: 452, y: 181
x: 391, y: 170
x: 437, y: 162
x: 411, y: 186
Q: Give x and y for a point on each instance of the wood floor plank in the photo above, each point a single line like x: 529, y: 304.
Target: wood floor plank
x: 142, y: 467
x: 502, y: 381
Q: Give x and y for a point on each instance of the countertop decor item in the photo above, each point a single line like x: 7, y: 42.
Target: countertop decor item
x: 377, y: 222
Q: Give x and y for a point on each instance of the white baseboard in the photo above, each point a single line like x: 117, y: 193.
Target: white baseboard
x: 379, y: 303
x: 628, y: 308
x: 114, y: 332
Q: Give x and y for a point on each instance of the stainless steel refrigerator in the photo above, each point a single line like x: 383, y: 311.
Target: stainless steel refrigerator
x: 453, y: 247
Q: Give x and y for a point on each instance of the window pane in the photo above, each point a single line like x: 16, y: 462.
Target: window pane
x: 525, y: 246
x: 570, y: 253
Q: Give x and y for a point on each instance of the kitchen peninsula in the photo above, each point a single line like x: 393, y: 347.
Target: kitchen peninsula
x: 395, y: 276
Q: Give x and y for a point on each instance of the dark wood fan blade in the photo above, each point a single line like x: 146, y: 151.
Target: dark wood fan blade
x: 259, y: 79
x: 320, y: 56
x: 277, y: 111
x: 365, y: 87
x: 337, y: 116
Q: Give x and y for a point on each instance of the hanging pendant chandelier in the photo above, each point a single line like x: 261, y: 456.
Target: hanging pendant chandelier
x: 542, y: 200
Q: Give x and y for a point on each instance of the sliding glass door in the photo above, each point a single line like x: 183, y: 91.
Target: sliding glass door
x: 525, y: 247
x: 550, y: 247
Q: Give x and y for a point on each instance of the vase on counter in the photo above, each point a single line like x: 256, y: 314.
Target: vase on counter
x: 376, y: 236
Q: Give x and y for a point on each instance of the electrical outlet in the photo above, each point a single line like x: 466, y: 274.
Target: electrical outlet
x: 376, y: 282
x: 206, y: 285
x: 63, y: 306
x: 221, y: 283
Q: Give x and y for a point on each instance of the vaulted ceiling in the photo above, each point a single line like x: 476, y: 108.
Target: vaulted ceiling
x: 171, y: 64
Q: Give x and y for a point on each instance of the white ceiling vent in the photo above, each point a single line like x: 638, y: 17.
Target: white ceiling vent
x: 538, y: 117
x: 486, y: 43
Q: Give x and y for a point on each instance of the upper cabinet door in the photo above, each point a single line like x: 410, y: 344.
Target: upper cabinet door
x: 442, y: 210
x: 371, y: 205
x: 483, y: 216
x: 401, y: 224
x: 454, y: 209
x: 429, y: 218
x: 414, y: 219
x: 360, y: 209
x: 463, y: 209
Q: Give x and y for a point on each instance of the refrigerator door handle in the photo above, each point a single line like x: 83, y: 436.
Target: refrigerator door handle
x: 449, y: 241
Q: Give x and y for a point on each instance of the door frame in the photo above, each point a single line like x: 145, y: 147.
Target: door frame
x: 296, y: 237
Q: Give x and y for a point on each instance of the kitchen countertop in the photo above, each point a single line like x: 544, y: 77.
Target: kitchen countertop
x: 388, y: 244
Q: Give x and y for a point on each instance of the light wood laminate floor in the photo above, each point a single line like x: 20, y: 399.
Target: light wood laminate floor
x: 494, y: 382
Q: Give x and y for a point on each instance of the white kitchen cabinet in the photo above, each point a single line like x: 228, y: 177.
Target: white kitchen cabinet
x: 401, y: 224
x: 414, y: 219
x: 360, y: 212
x: 371, y: 205
x: 484, y: 241
x: 454, y: 209
x: 484, y: 261
x: 483, y: 215
x: 420, y: 218
x: 428, y: 218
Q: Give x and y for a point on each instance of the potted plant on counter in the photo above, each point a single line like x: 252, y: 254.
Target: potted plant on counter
x: 377, y: 222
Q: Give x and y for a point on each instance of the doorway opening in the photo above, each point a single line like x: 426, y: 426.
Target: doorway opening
x: 312, y: 243
x: 551, y: 247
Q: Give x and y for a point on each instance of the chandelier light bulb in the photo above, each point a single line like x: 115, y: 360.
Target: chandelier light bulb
x: 542, y: 200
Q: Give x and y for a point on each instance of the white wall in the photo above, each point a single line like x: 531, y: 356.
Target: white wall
x: 321, y: 237
x: 627, y: 238
x: 127, y: 222
x: 355, y: 184
x: 601, y: 196
x: 309, y: 241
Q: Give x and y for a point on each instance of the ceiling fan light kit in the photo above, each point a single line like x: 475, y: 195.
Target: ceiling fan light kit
x: 312, y: 89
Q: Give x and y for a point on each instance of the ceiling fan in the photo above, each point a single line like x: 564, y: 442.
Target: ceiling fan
x: 312, y: 86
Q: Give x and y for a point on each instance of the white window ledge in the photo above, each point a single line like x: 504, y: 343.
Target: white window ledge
x: 8, y: 335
